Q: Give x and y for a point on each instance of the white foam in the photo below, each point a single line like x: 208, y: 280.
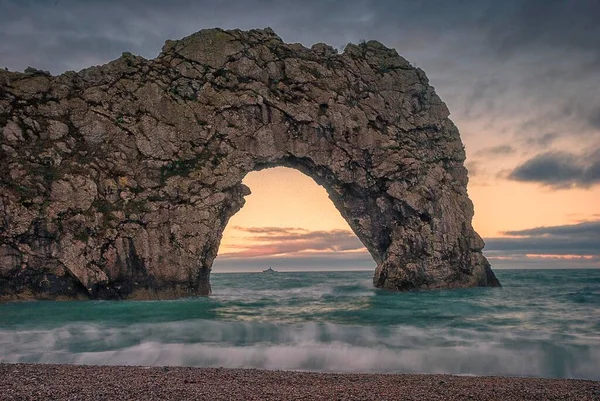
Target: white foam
x: 310, y: 346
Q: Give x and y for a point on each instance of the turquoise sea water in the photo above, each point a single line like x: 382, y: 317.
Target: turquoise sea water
x: 543, y: 323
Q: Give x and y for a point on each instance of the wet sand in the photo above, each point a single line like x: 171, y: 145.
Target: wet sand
x: 77, y: 382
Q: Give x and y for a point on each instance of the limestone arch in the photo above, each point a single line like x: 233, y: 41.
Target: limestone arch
x: 123, y: 177
x: 297, y: 206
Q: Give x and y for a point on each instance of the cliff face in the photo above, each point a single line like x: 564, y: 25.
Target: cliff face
x: 117, y: 181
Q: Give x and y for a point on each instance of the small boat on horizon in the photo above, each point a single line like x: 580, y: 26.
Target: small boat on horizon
x: 269, y: 270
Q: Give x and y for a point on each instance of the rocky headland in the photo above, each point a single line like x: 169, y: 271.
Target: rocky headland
x: 117, y: 181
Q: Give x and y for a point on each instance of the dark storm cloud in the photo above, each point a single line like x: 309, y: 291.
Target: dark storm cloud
x: 560, y: 170
x: 476, y: 25
x: 558, y: 23
x: 573, y: 239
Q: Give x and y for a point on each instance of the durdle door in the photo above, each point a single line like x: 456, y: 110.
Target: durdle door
x: 117, y: 181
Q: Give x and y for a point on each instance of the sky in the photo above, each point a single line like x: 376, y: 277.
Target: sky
x: 521, y: 79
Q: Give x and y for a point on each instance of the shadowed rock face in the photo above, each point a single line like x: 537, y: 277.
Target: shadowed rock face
x: 118, y: 181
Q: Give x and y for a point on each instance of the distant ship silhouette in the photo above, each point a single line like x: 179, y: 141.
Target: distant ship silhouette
x: 270, y: 270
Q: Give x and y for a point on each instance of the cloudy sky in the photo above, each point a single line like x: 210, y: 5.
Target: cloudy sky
x: 521, y: 79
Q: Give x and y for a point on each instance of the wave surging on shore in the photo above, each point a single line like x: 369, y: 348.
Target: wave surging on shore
x: 326, y: 322
x: 308, y: 346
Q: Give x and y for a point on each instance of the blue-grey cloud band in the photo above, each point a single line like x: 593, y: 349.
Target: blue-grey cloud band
x: 583, y: 229
x: 533, y: 247
x: 571, y: 239
x: 560, y: 170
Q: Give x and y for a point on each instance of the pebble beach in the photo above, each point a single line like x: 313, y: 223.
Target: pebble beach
x: 82, y: 382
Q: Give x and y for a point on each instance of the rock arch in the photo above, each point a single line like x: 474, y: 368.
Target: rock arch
x: 118, y: 180
x: 288, y: 222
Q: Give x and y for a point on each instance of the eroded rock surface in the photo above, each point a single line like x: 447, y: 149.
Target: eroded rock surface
x: 117, y: 181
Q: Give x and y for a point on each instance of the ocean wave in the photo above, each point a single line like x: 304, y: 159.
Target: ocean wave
x: 540, y: 324
x: 311, y: 346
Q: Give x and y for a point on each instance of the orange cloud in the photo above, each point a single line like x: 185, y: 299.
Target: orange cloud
x: 266, y: 241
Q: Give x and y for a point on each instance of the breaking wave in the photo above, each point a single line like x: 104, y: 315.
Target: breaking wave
x: 325, y: 322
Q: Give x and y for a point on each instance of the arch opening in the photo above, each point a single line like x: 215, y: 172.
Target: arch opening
x: 289, y: 223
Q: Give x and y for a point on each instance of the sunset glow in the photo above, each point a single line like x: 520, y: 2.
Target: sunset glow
x: 289, y: 216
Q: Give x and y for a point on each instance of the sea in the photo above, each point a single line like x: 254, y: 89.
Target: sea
x: 541, y: 323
